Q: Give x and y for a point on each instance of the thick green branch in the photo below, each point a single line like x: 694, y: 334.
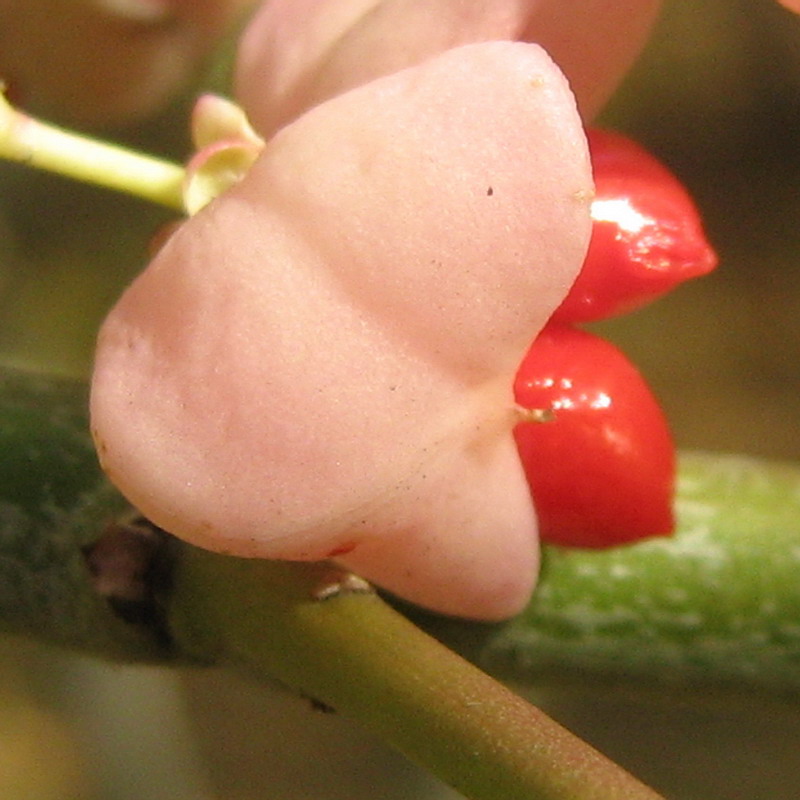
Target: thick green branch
x: 53, y: 504
x: 718, y: 603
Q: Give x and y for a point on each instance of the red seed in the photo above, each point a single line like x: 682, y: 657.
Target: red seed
x: 647, y: 236
x: 602, y: 471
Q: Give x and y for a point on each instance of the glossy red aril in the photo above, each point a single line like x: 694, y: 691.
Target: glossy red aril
x: 602, y: 470
x: 647, y: 235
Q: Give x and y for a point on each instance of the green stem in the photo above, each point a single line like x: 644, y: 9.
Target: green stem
x: 37, y: 144
x: 358, y: 655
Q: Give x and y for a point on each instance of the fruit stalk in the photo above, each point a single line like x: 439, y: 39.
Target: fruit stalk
x: 34, y: 143
x: 354, y: 653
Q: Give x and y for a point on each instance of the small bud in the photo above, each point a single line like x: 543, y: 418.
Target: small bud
x: 228, y: 147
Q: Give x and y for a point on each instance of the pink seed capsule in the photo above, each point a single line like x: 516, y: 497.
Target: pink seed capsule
x: 322, y: 358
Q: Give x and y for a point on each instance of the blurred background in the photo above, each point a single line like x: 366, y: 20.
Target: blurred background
x: 717, y: 97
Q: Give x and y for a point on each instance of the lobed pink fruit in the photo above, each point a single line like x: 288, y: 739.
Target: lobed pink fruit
x: 322, y: 359
x: 297, y: 53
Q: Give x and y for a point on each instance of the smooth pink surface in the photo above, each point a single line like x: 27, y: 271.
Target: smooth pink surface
x: 324, y: 356
x: 296, y: 53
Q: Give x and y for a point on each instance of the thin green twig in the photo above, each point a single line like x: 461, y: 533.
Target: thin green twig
x: 30, y: 141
